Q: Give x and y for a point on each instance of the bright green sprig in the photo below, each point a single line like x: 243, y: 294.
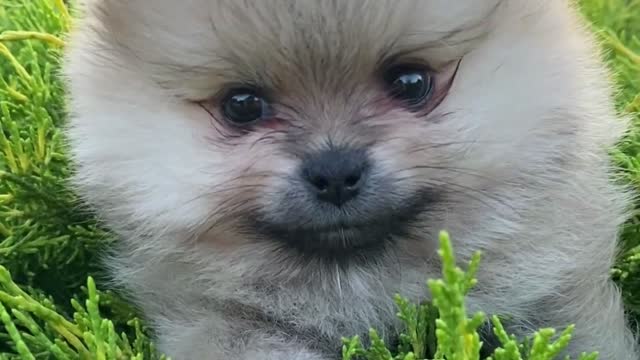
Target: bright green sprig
x: 89, y: 336
x: 457, y: 336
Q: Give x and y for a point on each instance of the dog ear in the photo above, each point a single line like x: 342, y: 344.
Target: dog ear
x: 146, y: 31
x: 107, y: 14
x: 106, y: 21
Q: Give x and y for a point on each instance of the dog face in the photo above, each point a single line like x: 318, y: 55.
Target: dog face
x: 321, y: 128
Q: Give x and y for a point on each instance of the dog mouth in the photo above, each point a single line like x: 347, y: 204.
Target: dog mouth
x: 337, y: 240
x: 349, y: 237
x: 345, y: 236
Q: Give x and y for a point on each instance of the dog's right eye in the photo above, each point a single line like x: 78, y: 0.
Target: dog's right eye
x: 245, y: 107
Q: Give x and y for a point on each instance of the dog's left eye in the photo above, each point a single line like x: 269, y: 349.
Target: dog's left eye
x: 409, y: 84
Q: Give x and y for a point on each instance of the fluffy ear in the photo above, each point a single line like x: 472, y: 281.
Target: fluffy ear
x: 106, y: 21
x: 107, y: 14
x: 148, y: 31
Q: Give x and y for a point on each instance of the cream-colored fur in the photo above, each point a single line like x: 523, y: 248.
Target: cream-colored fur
x: 517, y: 152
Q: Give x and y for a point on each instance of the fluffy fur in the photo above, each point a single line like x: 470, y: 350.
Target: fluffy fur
x: 516, y: 153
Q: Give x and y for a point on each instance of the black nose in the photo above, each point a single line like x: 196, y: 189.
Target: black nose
x: 336, y: 175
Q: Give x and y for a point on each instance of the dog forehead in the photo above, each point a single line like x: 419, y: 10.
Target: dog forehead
x: 441, y: 14
x: 220, y: 24
x: 305, y: 25
x: 203, y: 43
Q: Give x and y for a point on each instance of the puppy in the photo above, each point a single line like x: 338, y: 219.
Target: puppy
x: 277, y: 170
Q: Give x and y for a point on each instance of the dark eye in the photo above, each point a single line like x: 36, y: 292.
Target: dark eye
x: 244, y: 106
x: 412, y: 85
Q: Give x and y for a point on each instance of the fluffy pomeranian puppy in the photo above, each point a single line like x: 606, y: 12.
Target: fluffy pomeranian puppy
x: 277, y: 170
